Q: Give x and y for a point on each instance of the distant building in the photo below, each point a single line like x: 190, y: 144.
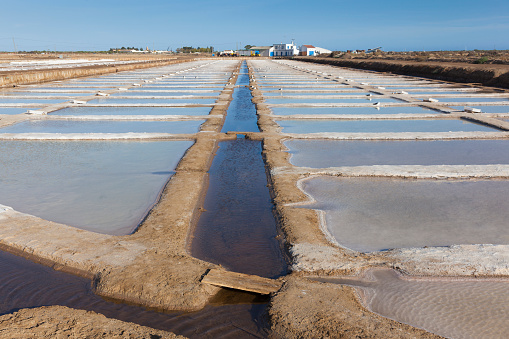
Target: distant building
x: 307, y: 50
x: 310, y: 50
x: 263, y: 51
x: 228, y: 52
x: 285, y: 49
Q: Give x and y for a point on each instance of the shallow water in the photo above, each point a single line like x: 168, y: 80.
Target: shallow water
x: 133, y: 111
x: 241, y: 114
x: 379, y: 126
x: 273, y: 100
x: 284, y: 93
x: 159, y: 94
x: 29, y: 101
x: 13, y: 110
x: 487, y: 109
x: 473, y: 99
x: 113, y: 101
x: 104, y: 126
x: 167, y: 87
x: 45, y: 94
x: 24, y: 284
x: 333, y: 153
x: 104, y: 187
x: 453, y: 309
x: 351, y: 110
x: 376, y: 214
x: 238, y: 229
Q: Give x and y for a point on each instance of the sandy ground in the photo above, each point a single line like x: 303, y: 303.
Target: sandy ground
x: 63, y: 322
x: 458, y: 57
x: 488, y: 74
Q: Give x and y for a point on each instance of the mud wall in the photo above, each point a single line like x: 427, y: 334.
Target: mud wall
x: 31, y: 77
x: 487, y: 75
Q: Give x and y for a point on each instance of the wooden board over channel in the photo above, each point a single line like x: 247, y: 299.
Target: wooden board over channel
x: 240, y: 281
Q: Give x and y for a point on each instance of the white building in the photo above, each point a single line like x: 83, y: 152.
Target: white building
x: 285, y: 49
x: 320, y: 50
x: 310, y: 50
x: 307, y: 50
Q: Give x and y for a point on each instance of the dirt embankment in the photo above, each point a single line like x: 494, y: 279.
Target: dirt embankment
x: 63, y: 322
x: 15, y: 78
x: 486, y: 74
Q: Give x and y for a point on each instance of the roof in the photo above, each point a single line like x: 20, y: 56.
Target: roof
x: 261, y: 47
x: 309, y: 46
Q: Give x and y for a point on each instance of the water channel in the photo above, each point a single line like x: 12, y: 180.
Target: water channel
x: 238, y: 231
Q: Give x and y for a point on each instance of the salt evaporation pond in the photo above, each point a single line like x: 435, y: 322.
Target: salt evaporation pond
x: 105, y: 187
x: 474, y: 99
x: 165, y: 87
x: 166, y: 94
x: 31, y: 101
x: 352, y: 110
x: 133, y: 111
x: 310, y: 90
x: 339, y: 87
x: 334, y: 153
x: 431, y: 93
x: 12, y: 110
x: 45, y: 94
x: 152, y: 101
x: 487, y: 109
x: 378, y: 126
x: 380, y: 213
x: 104, y: 126
x: 273, y: 100
x: 453, y: 308
x: 293, y: 94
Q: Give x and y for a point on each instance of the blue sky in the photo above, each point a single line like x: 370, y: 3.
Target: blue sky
x: 225, y: 24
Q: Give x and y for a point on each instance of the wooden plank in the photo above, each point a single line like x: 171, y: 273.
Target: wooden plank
x: 240, y: 281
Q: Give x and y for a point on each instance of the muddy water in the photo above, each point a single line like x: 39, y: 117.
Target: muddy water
x: 237, y: 228
x: 238, y: 315
x: 451, y: 308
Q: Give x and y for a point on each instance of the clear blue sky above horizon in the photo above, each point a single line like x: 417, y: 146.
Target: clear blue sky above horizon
x: 225, y: 24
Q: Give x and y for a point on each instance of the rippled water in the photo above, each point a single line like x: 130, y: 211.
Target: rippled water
x: 333, y: 153
x: 105, y: 187
x: 381, y: 213
x: 453, y: 309
x: 24, y: 284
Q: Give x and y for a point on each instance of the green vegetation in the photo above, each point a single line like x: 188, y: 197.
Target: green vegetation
x: 481, y: 60
x: 190, y: 49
